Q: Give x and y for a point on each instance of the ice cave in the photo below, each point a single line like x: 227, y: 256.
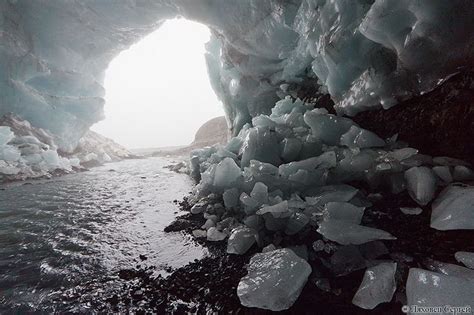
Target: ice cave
x: 343, y: 183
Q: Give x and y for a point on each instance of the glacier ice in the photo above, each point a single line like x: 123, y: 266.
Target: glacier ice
x: 6, y: 135
x: 360, y: 138
x: 453, y: 209
x: 346, y: 233
x: 421, y: 184
x: 214, y: 235
x: 364, y: 54
x: 378, y: 286
x: 343, y: 211
x: 274, y: 280
x: 450, y: 269
x: 240, y: 241
x: 428, y: 288
x: 467, y: 258
x: 287, y: 159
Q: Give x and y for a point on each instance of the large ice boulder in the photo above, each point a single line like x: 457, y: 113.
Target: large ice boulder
x: 274, y: 280
x: 454, y: 209
x: 378, y: 286
x: 432, y: 289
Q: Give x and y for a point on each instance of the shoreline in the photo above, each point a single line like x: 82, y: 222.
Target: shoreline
x: 209, y: 284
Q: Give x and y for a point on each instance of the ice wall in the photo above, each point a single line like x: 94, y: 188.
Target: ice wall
x: 365, y: 53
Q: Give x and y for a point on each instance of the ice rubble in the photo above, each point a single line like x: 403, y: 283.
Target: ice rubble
x: 29, y: 152
x: 293, y: 188
x: 365, y: 54
x: 274, y: 281
x: 378, y: 286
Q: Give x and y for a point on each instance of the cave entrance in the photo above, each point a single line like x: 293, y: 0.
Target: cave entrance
x: 158, y: 92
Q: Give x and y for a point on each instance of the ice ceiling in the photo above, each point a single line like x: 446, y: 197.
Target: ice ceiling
x: 365, y: 53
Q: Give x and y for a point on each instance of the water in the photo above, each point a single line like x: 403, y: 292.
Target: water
x: 60, y: 236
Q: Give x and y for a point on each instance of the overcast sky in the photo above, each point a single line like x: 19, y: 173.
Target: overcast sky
x: 158, y: 92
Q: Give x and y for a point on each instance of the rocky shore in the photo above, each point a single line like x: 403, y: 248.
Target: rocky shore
x: 209, y: 285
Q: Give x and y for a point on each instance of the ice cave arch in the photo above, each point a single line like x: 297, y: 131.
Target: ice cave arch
x: 366, y: 54
x: 294, y: 165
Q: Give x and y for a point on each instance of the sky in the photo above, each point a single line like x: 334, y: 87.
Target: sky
x: 158, y: 92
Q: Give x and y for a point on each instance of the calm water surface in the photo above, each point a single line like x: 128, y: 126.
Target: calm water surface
x: 58, y: 236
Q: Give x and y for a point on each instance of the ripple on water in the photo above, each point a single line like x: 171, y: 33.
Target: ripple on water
x: 71, y: 234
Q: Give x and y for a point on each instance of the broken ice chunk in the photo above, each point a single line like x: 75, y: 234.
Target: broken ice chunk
x: 263, y: 121
x: 214, y: 235
x: 274, y: 280
x: 322, y: 195
x: 411, y: 211
x: 260, y: 144
x: 240, y: 241
x: 378, y: 286
x: 199, y: 233
x: 453, y: 209
x: 8, y: 169
x: 311, y: 147
x: 427, y: 288
x: 280, y: 210
x: 291, y: 148
x: 227, y: 174
x: 328, y: 128
x: 260, y: 193
x: 324, y: 161
x: 208, y: 224
x: 6, y: 135
x: 249, y: 204
x: 421, y: 184
x: 231, y: 198
x: 443, y: 173
x: 296, y: 223
x: 253, y: 221
x: 450, y: 269
x: 9, y: 153
x: 466, y: 258
x: 348, y: 233
x: 462, y: 173
x: 402, y: 154
x: 360, y: 138
x: 343, y: 211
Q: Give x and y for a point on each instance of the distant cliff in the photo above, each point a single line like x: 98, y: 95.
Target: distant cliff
x: 214, y: 131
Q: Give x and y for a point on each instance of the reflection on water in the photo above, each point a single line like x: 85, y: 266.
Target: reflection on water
x: 56, y: 235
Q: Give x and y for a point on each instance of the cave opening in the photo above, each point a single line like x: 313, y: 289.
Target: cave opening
x: 158, y: 92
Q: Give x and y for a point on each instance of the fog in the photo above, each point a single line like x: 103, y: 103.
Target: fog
x: 158, y: 92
